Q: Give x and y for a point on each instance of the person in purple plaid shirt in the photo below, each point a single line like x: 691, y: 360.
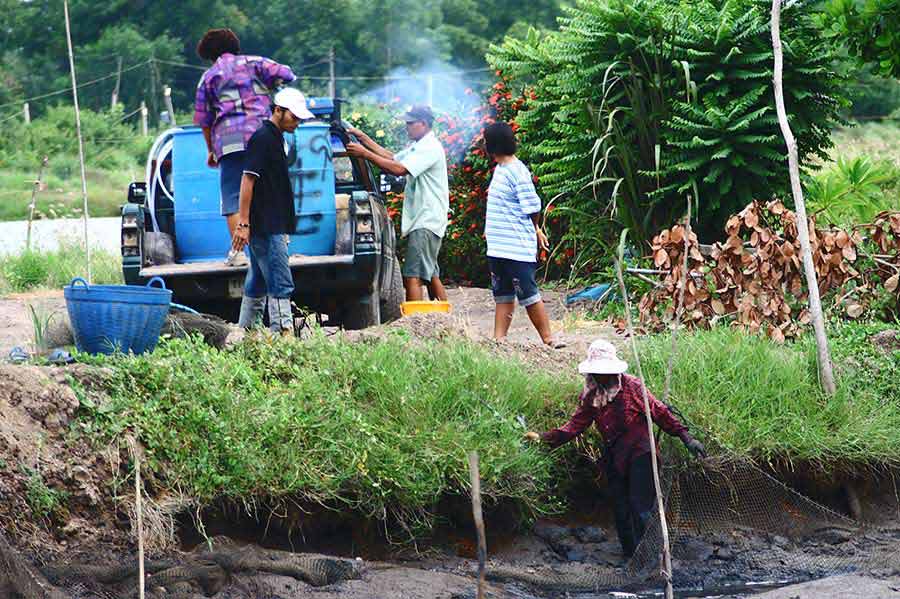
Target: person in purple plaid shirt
x: 232, y: 103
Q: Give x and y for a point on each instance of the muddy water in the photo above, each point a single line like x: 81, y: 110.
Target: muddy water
x: 48, y: 235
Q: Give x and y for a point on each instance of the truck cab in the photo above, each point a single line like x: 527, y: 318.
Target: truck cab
x: 341, y: 252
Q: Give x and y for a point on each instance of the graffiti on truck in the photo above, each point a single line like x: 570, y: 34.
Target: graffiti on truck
x: 313, y: 156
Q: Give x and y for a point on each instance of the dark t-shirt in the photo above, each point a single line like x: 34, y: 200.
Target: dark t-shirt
x: 272, y: 210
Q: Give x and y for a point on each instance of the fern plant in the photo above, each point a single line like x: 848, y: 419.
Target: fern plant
x: 639, y: 104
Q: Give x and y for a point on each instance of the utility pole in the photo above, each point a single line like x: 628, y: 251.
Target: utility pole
x: 154, y: 75
x: 144, y: 111
x: 167, y: 98
x: 331, y: 81
x: 87, y: 245
x: 115, y: 95
x: 26, y: 113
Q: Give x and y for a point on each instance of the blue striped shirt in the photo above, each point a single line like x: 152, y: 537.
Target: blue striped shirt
x: 512, y: 200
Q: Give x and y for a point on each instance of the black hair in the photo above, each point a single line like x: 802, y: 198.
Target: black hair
x: 217, y: 42
x: 499, y: 139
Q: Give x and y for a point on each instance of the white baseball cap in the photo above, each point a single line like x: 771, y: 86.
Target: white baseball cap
x: 293, y: 100
x: 602, y: 359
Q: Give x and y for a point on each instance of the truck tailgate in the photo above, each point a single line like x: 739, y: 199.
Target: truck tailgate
x: 214, y: 267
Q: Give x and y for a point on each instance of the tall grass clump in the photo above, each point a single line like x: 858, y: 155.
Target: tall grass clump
x: 753, y: 398
x: 379, y: 428
x: 54, y: 269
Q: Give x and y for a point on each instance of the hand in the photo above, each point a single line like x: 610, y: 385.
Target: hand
x: 211, y: 160
x: 532, y: 436
x: 241, y: 238
x: 695, y: 447
x: 543, y: 242
x: 356, y: 132
x: 355, y: 149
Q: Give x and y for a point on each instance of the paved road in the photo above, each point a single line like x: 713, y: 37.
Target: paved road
x: 103, y: 233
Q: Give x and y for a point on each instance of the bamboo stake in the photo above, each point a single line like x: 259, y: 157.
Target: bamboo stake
x: 87, y: 245
x: 139, y: 513
x: 479, y: 520
x: 679, y: 310
x: 826, y: 373
x: 34, y: 190
x: 654, y: 461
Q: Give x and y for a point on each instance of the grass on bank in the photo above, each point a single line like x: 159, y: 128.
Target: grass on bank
x: 54, y: 269
x: 384, y: 427
x: 754, y: 398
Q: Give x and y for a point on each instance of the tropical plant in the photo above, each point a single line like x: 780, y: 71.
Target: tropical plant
x: 637, y: 103
x: 854, y: 190
x: 869, y: 28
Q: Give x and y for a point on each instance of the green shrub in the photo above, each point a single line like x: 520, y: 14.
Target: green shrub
x: 637, y: 102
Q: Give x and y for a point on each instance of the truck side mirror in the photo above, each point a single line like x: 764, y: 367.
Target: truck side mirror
x: 392, y: 183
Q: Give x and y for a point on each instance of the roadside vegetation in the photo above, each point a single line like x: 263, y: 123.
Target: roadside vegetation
x: 38, y: 269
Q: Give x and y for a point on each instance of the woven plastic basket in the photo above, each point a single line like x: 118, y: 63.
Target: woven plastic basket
x: 116, y: 318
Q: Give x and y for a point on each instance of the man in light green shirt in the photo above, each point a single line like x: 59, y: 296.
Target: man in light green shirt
x: 426, y: 201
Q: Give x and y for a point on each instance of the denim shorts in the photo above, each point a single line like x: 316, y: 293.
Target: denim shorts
x: 269, y: 272
x: 231, y: 171
x: 511, y: 279
x: 421, y: 261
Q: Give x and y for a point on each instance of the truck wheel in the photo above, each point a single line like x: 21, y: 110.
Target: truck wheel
x: 393, y: 294
x: 362, y: 312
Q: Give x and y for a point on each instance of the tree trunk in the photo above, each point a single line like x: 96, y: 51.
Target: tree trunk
x: 826, y: 374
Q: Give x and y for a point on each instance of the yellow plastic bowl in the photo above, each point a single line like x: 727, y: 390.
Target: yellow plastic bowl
x: 423, y: 307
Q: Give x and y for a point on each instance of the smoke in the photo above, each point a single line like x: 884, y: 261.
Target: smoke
x: 447, y: 89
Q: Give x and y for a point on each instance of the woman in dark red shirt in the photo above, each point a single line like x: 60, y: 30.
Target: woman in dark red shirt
x: 614, y: 402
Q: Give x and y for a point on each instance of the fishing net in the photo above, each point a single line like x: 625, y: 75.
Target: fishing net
x: 729, y: 523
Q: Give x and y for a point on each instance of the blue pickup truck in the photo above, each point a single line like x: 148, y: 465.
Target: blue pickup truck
x: 341, y: 252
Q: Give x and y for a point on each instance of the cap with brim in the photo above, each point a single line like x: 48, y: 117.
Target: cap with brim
x: 293, y: 100
x: 419, y: 113
x: 603, y: 367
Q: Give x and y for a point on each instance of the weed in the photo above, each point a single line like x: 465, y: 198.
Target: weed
x: 42, y: 500
x: 40, y: 323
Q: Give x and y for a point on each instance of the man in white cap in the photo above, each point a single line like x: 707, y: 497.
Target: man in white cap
x: 267, y: 216
x: 614, y: 402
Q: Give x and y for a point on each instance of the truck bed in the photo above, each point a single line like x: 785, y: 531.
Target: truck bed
x: 213, y: 267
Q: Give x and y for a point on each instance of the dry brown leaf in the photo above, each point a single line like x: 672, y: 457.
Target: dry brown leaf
x: 717, y: 306
x: 677, y: 235
x: 891, y: 283
x: 849, y: 253
x: 842, y: 239
x: 776, y: 334
x: 660, y: 258
x: 854, y: 310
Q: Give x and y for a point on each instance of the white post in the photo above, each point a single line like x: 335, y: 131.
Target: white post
x: 167, y: 98
x: 114, y: 99
x: 26, y: 113
x: 87, y: 245
x: 144, y: 112
x: 826, y: 373
x: 331, y: 80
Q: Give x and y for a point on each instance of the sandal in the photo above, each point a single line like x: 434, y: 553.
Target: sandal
x: 18, y: 355
x: 557, y: 344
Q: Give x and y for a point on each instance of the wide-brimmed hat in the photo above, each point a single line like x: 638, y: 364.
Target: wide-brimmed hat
x: 293, y: 100
x: 602, y: 359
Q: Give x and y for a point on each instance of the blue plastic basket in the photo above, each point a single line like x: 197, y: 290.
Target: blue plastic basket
x: 116, y: 318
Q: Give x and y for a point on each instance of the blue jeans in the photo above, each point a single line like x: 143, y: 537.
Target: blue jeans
x: 269, y: 273
x: 511, y: 279
x: 231, y: 171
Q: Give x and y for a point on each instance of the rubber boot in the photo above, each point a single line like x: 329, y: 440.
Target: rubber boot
x: 251, y: 311
x: 281, y: 318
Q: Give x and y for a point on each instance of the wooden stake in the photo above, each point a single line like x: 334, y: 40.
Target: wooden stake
x: 26, y: 113
x: 167, y: 98
x: 479, y: 520
x: 826, y: 373
x: 34, y: 190
x: 654, y: 461
x: 139, y: 512
x: 144, y: 113
x: 87, y: 245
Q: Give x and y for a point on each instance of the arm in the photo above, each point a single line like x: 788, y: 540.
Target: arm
x: 370, y: 144
x: 272, y: 73
x: 242, y: 231
x: 205, y: 117
x: 577, y: 424
x: 388, y: 165
x: 210, y: 155
x: 667, y: 421
x: 530, y: 202
x: 543, y: 242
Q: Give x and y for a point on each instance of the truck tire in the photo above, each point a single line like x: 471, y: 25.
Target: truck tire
x: 362, y: 312
x: 393, y: 294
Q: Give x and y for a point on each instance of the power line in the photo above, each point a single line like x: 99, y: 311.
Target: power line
x: 69, y: 89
